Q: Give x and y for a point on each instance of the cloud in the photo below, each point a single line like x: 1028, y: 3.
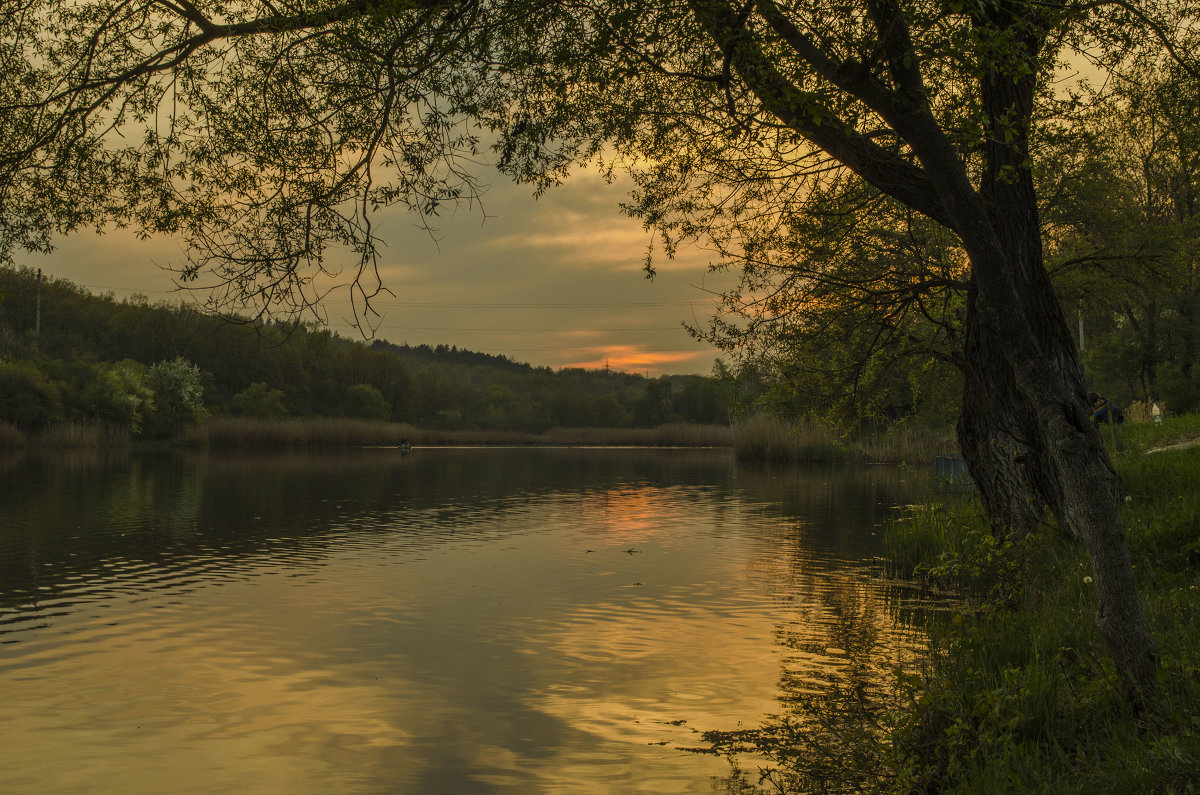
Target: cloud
x: 553, y: 281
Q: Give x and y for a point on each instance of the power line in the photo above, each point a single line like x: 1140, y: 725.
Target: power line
x: 444, y: 304
x: 448, y: 304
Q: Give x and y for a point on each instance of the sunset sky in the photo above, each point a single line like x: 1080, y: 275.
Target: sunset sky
x: 555, y: 281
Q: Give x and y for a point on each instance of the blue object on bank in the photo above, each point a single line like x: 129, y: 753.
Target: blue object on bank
x: 950, y: 467
x: 1100, y: 415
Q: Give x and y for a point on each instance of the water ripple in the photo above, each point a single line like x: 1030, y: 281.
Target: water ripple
x: 530, y: 621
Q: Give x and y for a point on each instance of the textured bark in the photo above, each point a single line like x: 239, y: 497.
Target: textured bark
x: 993, y: 435
x: 1026, y: 428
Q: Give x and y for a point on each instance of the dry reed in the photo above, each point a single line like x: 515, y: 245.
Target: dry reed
x: 907, y: 444
x: 670, y: 435
x: 246, y: 432
x: 766, y: 438
x: 83, y: 434
x: 10, y: 437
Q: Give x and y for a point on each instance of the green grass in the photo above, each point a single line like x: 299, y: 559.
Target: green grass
x: 1021, y: 695
x: 1017, y: 692
x: 951, y: 547
x: 1140, y: 436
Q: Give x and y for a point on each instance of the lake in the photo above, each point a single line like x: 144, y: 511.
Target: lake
x: 452, y: 621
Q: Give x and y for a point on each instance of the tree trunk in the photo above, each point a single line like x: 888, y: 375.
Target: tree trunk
x: 1025, y: 430
x: 1025, y: 427
x: 1026, y: 433
x: 992, y: 432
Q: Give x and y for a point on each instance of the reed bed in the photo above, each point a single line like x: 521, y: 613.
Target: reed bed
x: 83, y: 434
x: 10, y: 437
x: 766, y: 438
x: 670, y: 435
x: 907, y: 444
x: 245, y: 432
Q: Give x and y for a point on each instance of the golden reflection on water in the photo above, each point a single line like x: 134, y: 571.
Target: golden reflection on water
x: 570, y: 639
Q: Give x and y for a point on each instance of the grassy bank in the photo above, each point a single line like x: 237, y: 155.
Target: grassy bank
x: 1019, y: 693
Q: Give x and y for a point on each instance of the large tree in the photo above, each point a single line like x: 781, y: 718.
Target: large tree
x: 269, y: 132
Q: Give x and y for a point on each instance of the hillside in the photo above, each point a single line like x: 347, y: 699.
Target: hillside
x: 89, y: 342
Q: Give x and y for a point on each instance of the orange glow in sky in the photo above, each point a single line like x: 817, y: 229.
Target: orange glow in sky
x: 634, y: 359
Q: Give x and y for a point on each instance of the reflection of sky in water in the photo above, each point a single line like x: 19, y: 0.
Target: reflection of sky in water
x: 451, y: 622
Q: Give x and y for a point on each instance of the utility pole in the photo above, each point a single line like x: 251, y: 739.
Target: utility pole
x: 37, y: 316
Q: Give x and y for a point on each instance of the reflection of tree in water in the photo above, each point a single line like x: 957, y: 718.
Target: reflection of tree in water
x: 843, y: 680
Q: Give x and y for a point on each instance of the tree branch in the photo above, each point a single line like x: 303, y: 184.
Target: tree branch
x: 805, y: 113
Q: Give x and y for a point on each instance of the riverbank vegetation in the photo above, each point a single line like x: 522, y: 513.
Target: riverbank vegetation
x: 765, y: 437
x: 1018, y: 692
x: 347, y: 432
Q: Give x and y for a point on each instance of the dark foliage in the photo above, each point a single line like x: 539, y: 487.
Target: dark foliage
x: 305, y: 370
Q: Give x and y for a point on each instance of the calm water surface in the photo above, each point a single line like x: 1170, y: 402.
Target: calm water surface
x: 453, y: 621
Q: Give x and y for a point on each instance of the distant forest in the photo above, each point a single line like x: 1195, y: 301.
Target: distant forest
x: 92, y: 356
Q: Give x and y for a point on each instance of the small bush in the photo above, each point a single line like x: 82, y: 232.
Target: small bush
x: 365, y: 402
x: 119, y: 395
x: 178, y: 398
x: 259, y: 400
x: 28, y: 399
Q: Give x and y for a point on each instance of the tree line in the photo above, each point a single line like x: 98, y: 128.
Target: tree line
x: 156, y: 366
